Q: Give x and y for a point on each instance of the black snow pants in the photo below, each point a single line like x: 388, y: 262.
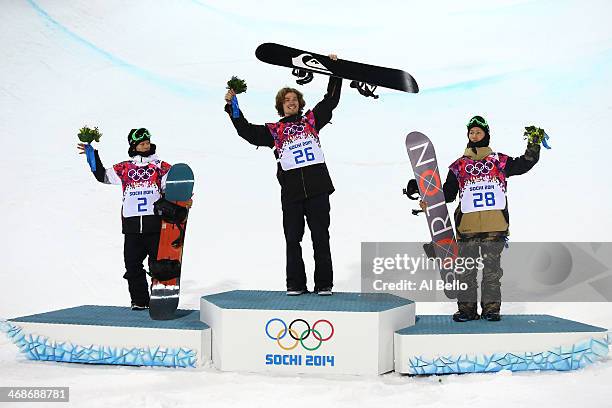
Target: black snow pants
x: 316, y: 211
x: 490, y: 250
x: 136, y: 248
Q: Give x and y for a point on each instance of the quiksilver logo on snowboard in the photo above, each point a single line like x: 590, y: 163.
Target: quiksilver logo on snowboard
x: 307, y: 61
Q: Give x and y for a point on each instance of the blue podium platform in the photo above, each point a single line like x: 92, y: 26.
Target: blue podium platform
x: 111, y: 335
x: 268, y: 331
x: 444, y: 324
x: 115, y: 316
x: 438, y: 345
x: 277, y: 300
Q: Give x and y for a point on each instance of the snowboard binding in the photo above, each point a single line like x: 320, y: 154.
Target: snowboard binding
x: 173, y: 214
x: 365, y: 89
x: 412, y: 189
x: 412, y: 192
x: 304, y: 76
x: 165, y: 269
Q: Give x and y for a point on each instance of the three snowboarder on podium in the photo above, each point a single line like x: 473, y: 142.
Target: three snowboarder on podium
x: 482, y: 218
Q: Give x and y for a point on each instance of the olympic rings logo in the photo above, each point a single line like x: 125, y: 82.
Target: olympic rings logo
x: 294, y: 129
x: 298, y: 338
x: 141, y: 174
x: 479, y: 168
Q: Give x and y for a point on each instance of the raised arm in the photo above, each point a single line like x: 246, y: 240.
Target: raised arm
x: 257, y: 135
x: 521, y: 165
x: 106, y: 176
x: 323, y: 110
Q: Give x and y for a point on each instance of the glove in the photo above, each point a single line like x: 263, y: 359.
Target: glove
x: 91, y: 157
x: 235, y: 108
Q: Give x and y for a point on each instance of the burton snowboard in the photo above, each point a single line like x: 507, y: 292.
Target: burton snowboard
x: 364, y: 77
x: 166, y: 270
x: 425, y: 166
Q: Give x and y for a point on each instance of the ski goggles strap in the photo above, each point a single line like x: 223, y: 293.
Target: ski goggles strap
x: 139, y: 135
x: 478, y: 121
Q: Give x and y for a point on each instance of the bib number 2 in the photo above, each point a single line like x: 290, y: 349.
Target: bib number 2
x: 142, y: 204
x: 139, y: 201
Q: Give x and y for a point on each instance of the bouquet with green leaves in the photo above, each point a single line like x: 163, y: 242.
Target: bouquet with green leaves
x: 238, y: 85
x: 88, y: 135
x: 536, y: 135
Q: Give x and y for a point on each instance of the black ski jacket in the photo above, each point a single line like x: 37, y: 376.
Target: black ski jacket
x: 309, y: 181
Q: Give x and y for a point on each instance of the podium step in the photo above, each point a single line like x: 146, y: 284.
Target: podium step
x: 438, y: 345
x: 111, y: 335
x: 267, y: 331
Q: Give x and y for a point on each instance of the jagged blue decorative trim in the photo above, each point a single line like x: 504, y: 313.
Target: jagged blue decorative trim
x: 44, y: 349
x: 563, y: 358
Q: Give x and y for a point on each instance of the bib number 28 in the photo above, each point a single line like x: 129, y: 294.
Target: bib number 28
x: 303, y: 155
x: 484, y: 200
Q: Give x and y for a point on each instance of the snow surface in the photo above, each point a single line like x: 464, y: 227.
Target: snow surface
x: 163, y: 65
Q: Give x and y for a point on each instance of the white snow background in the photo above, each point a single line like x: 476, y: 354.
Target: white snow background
x: 164, y: 64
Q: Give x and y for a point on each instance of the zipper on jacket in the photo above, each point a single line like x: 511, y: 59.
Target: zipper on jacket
x: 303, y: 183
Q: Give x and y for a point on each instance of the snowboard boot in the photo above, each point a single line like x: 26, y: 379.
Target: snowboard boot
x: 136, y: 306
x: 467, y: 311
x: 324, y: 292
x: 490, y: 311
x: 296, y: 292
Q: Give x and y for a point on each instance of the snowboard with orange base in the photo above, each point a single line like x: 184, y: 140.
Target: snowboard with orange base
x: 166, y: 270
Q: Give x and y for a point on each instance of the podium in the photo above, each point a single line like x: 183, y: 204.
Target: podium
x: 269, y: 332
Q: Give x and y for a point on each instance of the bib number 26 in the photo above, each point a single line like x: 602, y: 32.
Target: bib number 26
x: 303, y: 155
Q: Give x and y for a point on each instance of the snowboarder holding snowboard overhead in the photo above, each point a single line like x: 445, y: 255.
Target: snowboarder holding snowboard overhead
x: 303, y: 176
x: 482, y: 219
x: 142, y: 179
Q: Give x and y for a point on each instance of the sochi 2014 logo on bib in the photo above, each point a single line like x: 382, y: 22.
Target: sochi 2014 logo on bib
x: 301, y: 336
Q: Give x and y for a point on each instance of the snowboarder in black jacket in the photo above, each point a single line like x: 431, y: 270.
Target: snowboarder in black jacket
x: 143, y: 180
x: 303, y: 176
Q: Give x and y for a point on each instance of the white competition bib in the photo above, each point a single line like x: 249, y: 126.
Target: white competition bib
x: 481, y: 196
x: 139, y: 200
x: 301, y: 152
